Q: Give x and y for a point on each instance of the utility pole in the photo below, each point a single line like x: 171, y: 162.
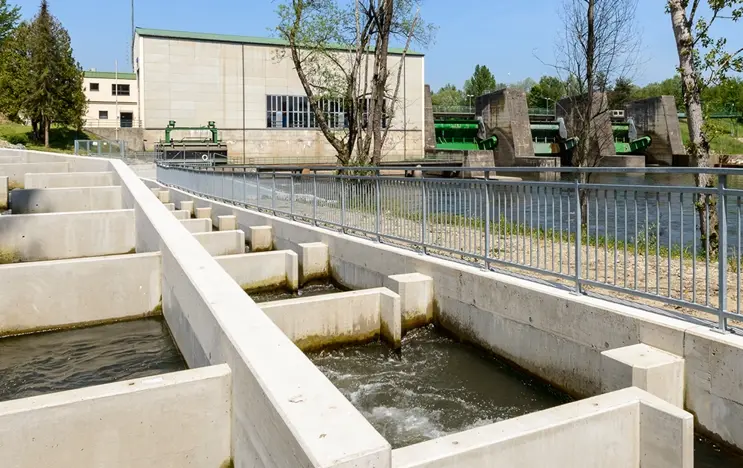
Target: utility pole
x: 116, y: 93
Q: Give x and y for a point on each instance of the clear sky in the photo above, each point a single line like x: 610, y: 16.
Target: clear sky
x: 511, y: 37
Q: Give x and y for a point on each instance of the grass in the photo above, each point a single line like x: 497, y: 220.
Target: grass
x: 722, y: 142
x: 61, y: 139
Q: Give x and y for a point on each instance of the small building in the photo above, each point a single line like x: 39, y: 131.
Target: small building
x: 112, y: 99
x: 249, y: 87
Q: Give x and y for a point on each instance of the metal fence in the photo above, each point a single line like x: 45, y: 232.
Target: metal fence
x: 635, y: 238
x: 113, y: 123
x: 100, y: 148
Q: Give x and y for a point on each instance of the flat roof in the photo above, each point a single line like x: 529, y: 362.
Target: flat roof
x: 110, y: 75
x: 195, y: 36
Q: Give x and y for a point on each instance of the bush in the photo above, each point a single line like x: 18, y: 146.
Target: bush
x: 18, y: 139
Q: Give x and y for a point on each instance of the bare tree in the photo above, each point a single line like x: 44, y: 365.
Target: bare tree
x: 340, y: 51
x: 693, y: 37
x: 599, y: 44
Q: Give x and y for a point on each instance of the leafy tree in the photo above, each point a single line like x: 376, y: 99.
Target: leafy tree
x: 668, y: 87
x: 9, y: 16
x: 449, y: 95
x: 547, y: 92
x: 482, y: 82
x: 526, y: 84
x: 39, y: 78
x: 621, y: 94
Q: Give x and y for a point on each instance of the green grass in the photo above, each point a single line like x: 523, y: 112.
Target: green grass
x: 722, y: 142
x: 61, y: 139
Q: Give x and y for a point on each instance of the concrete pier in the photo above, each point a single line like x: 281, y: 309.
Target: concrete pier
x: 506, y: 115
x: 658, y: 118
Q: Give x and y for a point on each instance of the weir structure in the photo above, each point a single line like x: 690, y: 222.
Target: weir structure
x: 252, y: 398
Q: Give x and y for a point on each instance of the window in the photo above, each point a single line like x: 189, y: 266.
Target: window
x: 295, y: 112
x: 120, y: 90
x: 94, y: 86
x: 103, y: 115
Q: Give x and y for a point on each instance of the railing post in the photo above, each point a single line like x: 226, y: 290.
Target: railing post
x: 273, y: 191
x: 291, y: 200
x: 578, y: 234
x: 343, y: 204
x: 257, y: 190
x: 722, y: 253
x: 424, y: 223
x: 314, y: 197
x: 379, y: 208
x: 487, y: 220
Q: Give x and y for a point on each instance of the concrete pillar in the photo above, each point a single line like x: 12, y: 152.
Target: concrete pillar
x: 570, y: 109
x: 506, y: 115
x: 314, y: 262
x: 4, y: 193
x: 416, y: 298
x: 657, y: 117
x: 655, y: 371
x: 181, y: 214
x: 204, y: 212
x: 164, y: 196
x: 197, y: 225
x: 260, y: 238
x: 169, y: 206
x: 429, y: 128
x: 390, y: 319
x: 187, y: 206
x: 227, y: 223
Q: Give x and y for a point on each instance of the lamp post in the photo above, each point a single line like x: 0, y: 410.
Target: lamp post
x: 470, y: 96
x: 548, y: 100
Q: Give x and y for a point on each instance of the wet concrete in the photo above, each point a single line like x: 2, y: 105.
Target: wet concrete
x: 708, y: 454
x: 308, y: 290
x: 65, y: 360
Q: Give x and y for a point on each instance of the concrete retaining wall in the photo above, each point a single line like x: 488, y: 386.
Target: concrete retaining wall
x: 624, y: 429
x: 277, y: 269
x: 47, y: 295
x: 548, y: 331
x: 54, y: 236
x: 177, y: 419
x: 222, y: 243
x: 62, y: 200
x: 71, y: 179
x: 16, y: 173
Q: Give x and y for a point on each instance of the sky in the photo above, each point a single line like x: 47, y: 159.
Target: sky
x: 514, y: 38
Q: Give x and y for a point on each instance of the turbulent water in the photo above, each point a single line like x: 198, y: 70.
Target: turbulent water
x: 65, y: 360
x: 309, y: 290
x: 437, y: 387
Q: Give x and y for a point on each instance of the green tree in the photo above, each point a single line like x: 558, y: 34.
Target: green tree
x: 449, y: 95
x: 482, y: 82
x: 668, y: 87
x: 9, y: 16
x: 621, y: 94
x: 547, y: 92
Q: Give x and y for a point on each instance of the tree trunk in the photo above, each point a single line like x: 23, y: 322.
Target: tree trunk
x: 699, y: 145
x: 379, y: 80
x: 47, y: 125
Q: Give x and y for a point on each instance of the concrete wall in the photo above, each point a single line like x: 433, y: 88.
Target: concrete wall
x: 134, y: 137
x: 170, y: 420
x: 47, y: 295
x: 105, y: 100
x: 71, y: 199
x: 278, y: 269
x: 615, y: 430
x: 71, y: 179
x: 53, y: 236
x: 429, y: 125
x: 16, y: 172
x: 622, y: 161
x: 506, y: 115
x: 571, y: 109
x: 658, y: 118
x: 550, y: 332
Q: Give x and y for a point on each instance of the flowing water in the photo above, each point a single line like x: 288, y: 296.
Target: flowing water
x: 308, y: 290
x: 65, y: 360
x: 436, y: 387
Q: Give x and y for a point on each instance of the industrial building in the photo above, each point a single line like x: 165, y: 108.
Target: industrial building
x: 249, y: 88
x: 112, y: 99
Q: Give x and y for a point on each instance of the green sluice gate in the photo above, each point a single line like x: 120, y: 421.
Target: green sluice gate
x: 551, y: 139
x: 463, y: 134
x: 626, y: 140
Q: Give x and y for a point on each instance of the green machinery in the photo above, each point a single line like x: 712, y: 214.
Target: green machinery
x: 625, y: 138
x: 551, y: 138
x: 463, y: 134
x: 199, y: 150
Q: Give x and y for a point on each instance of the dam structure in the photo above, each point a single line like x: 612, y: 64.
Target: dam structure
x: 88, y: 244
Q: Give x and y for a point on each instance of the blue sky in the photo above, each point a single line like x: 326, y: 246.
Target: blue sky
x: 509, y: 36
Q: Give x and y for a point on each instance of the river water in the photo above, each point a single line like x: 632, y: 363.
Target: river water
x: 65, y: 360
x: 439, y: 386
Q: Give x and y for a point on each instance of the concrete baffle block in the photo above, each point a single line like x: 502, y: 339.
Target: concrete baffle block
x: 187, y: 206
x: 655, y: 371
x: 164, y: 196
x: 3, y: 193
x: 222, y: 243
x: 202, y: 213
x: 169, y: 206
x: 260, y: 238
x: 197, y: 225
x: 227, y: 223
x: 181, y: 214
x: 314, y: 261
x: 390, y: 323
x: 416, y: 298
x: 156, y: 192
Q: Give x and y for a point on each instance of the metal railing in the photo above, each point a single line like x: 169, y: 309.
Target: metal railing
x: 100, y: 148
x: 113, y: 123
x: 453, y: 109
x: 629, y: 233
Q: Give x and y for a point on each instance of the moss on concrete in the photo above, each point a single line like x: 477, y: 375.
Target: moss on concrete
x: 8, y: 256
x: 320, y: 343
x: 229, y: 463
x: 93, y: 323
x: 277, y: 283
x: 12, y: 185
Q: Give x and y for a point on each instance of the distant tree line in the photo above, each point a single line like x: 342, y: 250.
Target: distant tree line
x: 40, y: 81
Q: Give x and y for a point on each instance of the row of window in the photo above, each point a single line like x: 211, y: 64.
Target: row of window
x: 116, y: 89
x: 295, y: 112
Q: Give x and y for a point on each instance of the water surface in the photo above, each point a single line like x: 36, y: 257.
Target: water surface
x: 65, y: 360
x: 308, y: 290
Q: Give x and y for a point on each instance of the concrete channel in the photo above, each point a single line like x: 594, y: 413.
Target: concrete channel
x: 250, y: 397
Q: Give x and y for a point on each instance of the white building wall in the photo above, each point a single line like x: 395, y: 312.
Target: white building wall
x: 105, y: 100
x: 193, y: 82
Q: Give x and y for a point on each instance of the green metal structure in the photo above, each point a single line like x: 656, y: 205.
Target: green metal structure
x: 211, y: 127
x: 625, y: 138
x: 463, y: 134
x: 551, y: 138
x: 193, y: 150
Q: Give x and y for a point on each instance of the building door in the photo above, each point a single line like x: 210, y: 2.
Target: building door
x: 127, y: 119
